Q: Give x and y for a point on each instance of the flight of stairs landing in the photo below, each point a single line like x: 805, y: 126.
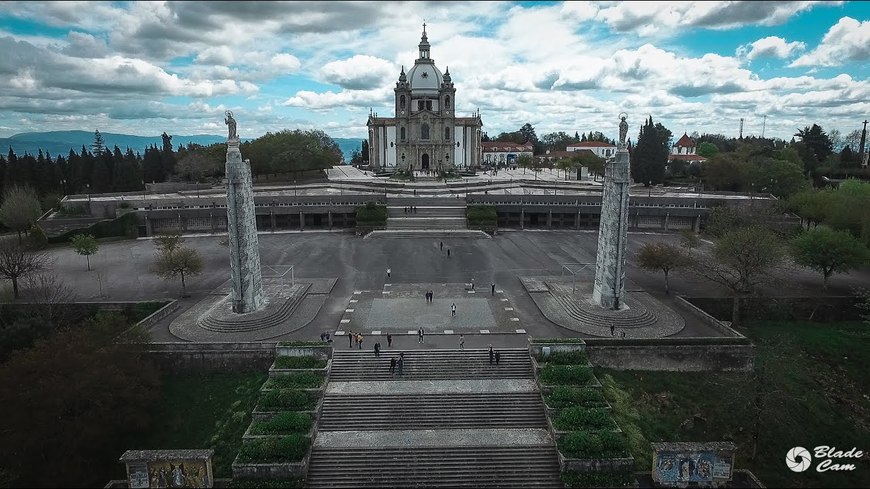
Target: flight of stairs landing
x: 450, y: 420
x: 432, y: 213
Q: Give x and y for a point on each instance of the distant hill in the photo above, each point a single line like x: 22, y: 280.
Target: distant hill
x: 60, y: 142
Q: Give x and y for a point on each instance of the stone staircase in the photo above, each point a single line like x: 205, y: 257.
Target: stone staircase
x: 633, y: 318
x: 432, y: 213
x: 451, y: 420
x: 265, y: 318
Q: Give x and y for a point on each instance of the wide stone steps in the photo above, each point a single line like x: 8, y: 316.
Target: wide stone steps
x: 394, y: 223
x: 350, y: 365
x: 256, y: 320
x: 626, y: 319
x: 427, y: 212
x: 432, y: 411
x: 426, y: 202
x: 429, y: 233
x: 485, y: 466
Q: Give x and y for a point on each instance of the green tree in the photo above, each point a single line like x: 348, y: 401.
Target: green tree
x: 650, y: 155
x: 86, y: 395
x: 177, y: 261
x: 565, y: 164
x: 85, y: 244
x: 828, y: 251
x: 36, y: 238
x: 813, y: 206
x: 590, y: 161
x: 817, y: 143
x: 525, y: 161
x: 741, y: 260
x: 528, y: 133
x: 99, y: 145
x: 20, y: 209
x: 778, y: 177
x: 707, y: 150
x: 661, y: 256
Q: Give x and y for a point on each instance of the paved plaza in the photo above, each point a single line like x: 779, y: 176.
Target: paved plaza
x: 121, y: 271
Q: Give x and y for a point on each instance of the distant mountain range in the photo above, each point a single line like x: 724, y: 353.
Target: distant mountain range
x: 60, y: 142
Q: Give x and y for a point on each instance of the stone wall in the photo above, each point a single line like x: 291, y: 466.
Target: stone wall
x: 675, y: 355
x: 219, y: 357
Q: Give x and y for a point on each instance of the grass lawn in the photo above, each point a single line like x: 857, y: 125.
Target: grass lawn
x: 209, y: 410
x: 809, y: 388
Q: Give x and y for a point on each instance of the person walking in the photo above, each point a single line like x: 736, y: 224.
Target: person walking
x: 420, y: 335
x: 492, y: 285
x: 491, y: 356
x: 389, y: 340
x: 350, y: 336
x: 448, y: 252
x: 612, y: 329
x: 461, y: 342
x: 431, y: 295
x: 389, y: 272
x: 497, y: 356
x: 359, y: 340
x: 453, y: 309
x: 472, y: 283
x: 377, y: 349
x: 392, y: 365
x: 441, y: 245
x: 401, y: 363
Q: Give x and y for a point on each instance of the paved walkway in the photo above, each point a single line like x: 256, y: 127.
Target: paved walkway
x: 432, y: 386
x: 432, y: 438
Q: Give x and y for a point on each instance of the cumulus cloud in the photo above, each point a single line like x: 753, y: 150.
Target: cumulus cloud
x: 83, y: 45
x: 285, y: 62
x: 847, y: 41
x: 361, y: 72
x: 772, y: 46
x: 330, y: 99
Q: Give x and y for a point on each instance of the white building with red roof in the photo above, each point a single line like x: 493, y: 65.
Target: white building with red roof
x: 685, y: 150
x: 496, y: 153
x: 601, y: 149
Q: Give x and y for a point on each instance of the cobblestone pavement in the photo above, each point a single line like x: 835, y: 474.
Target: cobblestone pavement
x: 433, y: 438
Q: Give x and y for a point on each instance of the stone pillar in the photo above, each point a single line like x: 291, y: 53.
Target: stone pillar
x: 148, y: 230
x: 609, y: 290
x: 696, y: 224
x: 301, y: 221
x: 550, y: 219
x: 272, y: 220
x: 667, y: 218
x: 211, y: 222
x: 246, y: 277
x: 329, y: 218
x: 522, y: 218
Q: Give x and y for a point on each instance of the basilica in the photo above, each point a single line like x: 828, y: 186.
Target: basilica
x: 425, y: 133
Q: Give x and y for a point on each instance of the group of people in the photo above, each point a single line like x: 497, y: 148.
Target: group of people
x: 411, y: 209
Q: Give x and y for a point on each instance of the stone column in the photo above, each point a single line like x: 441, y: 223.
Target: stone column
x: 609, y: 289
x: 246, y: 277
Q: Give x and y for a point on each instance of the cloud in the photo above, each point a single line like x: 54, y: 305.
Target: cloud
x: 847, y: 41
x: 772, y: 46
x: 83, y: 45
x: 217, y: 55
x: 285, y: 62
x: 330, y: 99
x: 361, y: 72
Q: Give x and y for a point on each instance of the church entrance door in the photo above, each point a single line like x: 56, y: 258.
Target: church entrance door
x: 424, y: 165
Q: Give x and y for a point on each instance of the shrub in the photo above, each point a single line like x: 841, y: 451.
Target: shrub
x: 566, y: 375
x: 482, y: 214
x: 144, y: 309
x: 598, y: 479
x: 582, y: 418
x: 301, y: 343
x: 289, y: 448
x: 287, y: 399
x: 371, y: 214
x: 301, y: 380
x: 613, y: 443
x: 284, y: 423
x: 576, y: 357
x: 557, y: 341
x: 36, y: 238
x: 563, y: 397
x: 299, y: 362
x: 126, y: 225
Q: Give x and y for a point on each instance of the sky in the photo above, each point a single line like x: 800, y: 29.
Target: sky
x: 143, y: 68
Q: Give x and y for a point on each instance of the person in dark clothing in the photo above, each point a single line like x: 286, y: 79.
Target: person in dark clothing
x: 497, y: 357
x: 393, y: 365
x: 389, y: 340
x: 448, y: 252
x: 612, y: 329
x: 491, y: 355
x: 441, y: 245
x: 493, y: 288
x: 401, y: 363
x: 377, y: 349
x: 350, y: 337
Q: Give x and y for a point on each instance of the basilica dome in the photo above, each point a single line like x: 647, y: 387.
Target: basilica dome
x: 425, y: 79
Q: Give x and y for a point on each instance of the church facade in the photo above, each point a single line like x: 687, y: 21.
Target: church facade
x: 425, y: 133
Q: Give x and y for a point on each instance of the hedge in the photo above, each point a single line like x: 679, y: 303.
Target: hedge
x: 598, y: 479
x: 283, y: 424
x: 582, y: 444
x: 583, y: 418
x: 299, y: 362
x: 371, y: 214
x: 300, y: 380
x: 287, y: 400
x: 577, y: 357
x: 289, y: 448
x: 302, y: 343
x: 566, y: 375
x: 563, y: 397
x: 126, y: 225
x: 558, y: 341
x: 481, y: 214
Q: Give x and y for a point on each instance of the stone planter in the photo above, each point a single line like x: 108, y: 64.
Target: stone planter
x: 277, y: 372
x: 249, y: 436
x: 323, y: 352
x: 286, y: 470
x: 595, y: 464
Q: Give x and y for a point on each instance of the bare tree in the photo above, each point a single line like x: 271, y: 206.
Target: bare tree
x: 743, y: 259
x: 50, y: 294
x: 178, y: 262
x: 20, y: 209
x: 17, y: 261
x: 661, y: 256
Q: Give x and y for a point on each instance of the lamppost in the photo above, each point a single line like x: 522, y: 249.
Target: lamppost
x: 649, y: 189
x: 88, y: 188
x: 294, y: 188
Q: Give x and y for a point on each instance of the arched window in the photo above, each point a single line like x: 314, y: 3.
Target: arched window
x: 401, y: 101
x: 402, y: 134
x: 447, y: 134
x: 424, y: 131
x: 447, y: 102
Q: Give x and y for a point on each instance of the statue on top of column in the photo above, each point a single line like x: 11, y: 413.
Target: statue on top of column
x: 231, y: 125
x: 623, y: 129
